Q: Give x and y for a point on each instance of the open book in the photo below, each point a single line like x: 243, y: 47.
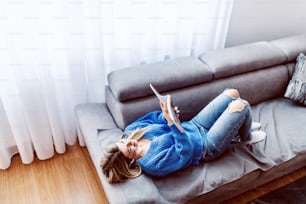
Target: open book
x: 167, y: 100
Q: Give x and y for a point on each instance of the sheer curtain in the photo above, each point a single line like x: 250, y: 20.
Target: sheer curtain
x: 56, y: 54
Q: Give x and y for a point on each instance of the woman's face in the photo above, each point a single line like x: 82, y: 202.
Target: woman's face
x: 129, y: 148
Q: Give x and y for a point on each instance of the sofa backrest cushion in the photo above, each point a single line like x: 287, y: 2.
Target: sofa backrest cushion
x: 133, y: 82
x: 240, y: 59
x: 256, y: 86
x: 291, y: 46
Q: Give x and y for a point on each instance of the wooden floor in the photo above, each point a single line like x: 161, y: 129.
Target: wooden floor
x: 67, y: 178
x: 71, y: 178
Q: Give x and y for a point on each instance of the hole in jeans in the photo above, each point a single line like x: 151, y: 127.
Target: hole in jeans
x: 233, y: 93
x: 236, y: 106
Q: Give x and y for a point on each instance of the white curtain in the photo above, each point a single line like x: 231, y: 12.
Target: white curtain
x: 55, y: 54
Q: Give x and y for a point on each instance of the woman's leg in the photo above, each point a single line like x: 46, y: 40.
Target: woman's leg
x: 245, y: 129
x: 210, y: 113
x: 235, y: 120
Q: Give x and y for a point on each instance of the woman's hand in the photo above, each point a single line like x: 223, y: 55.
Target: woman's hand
x: 166, y: 114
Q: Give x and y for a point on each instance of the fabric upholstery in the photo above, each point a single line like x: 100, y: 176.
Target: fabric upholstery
x: 291, y: 46
x: 254, y: 86
x: 95, y: 116
x: 240, y: 59
x: 133, y: 82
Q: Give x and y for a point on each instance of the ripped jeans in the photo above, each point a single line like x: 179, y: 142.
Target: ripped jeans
x: 219, y: 125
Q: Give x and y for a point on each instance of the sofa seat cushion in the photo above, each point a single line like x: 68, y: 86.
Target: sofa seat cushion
x: 133, y: 82
x: 241, y: 59
x: 284, y: 123
x: 291, y: 46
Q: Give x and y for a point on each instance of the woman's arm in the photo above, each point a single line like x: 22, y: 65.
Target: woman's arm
x: 155, y: 117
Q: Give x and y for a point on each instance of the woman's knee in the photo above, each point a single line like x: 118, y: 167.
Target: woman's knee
x: 233, y: 93
x: 237, y: 105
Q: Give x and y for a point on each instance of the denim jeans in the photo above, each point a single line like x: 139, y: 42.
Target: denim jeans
x: 219, y: 126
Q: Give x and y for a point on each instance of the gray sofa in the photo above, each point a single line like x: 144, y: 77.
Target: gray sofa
x: 260, y: 71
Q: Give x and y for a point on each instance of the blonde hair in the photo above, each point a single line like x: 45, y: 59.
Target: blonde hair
x: 115, y: 166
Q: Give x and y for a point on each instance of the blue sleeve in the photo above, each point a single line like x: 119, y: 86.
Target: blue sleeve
x: 155, y: 117
x: 180, y: 153
x: 171, y: 157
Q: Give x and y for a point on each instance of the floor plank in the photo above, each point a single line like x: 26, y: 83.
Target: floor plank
x: 68, y: 178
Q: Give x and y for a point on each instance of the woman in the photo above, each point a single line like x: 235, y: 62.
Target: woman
x: 154, y: 145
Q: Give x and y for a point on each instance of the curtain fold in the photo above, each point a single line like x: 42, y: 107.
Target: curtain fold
x: 56, y: 54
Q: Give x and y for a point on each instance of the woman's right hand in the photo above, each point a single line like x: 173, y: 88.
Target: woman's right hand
x: 165, y: 111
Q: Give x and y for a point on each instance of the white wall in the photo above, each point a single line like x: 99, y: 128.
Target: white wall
x: 256, y: 20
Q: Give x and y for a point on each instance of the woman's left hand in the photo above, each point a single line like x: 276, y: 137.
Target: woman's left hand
x: 177, y: 111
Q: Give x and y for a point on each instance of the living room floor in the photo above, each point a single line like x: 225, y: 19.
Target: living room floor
x: 71, y: 178
x: 66, y: 178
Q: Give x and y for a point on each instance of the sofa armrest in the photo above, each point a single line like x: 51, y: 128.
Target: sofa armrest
x: 89, y: 118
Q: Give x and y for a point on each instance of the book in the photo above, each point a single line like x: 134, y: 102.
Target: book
x: 168, y: 101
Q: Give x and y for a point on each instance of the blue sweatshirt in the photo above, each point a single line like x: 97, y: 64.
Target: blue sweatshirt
x: 170, y: 150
